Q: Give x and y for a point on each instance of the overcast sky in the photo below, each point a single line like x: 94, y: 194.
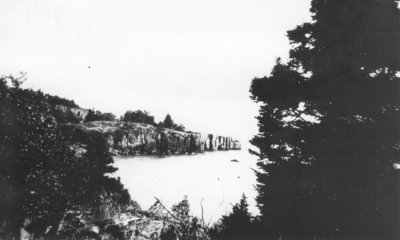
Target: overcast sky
x: 192, y: 59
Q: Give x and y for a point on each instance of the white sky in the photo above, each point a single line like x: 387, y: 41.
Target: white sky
x: 192, y: 59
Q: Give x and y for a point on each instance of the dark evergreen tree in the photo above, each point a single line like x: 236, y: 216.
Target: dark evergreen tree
x: 168, y: 122
x: 329, y: 126
x: 91, y: 116
x: 236, y: 225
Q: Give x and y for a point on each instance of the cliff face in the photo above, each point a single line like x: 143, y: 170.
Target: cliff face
x: 78, y: 112
x: 128, y: 138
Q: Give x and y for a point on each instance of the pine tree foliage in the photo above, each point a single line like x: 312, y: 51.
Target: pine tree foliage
x: 239, y: 224
x: 169, y: 123
x: 329, y: 126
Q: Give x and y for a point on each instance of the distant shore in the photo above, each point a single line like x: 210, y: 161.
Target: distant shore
x: 131, y: 139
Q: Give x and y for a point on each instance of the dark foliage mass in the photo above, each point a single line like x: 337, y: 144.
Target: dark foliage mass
x: 45, y: 171
x: 64, y: 116
x: 239, y: 224
x: 61, y: 116
x: 329, y: 126
x: 99, y: 116
x: 185, y: 226
x: 169, y: 123
x: 138, y: 116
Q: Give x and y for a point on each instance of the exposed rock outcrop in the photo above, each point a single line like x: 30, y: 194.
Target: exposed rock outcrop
x: 130, y: 222
x: 128, y: 138
x: 78, y: 112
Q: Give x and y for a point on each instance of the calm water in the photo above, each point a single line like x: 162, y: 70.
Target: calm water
x: 209, y: 178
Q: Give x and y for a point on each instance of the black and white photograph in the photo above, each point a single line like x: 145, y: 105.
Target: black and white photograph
x: 199, y: 120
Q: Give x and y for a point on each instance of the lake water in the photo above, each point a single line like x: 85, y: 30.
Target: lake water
x: 210, y: 179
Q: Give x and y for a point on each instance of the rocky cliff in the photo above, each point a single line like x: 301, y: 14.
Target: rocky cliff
x: 79, y: 113
x: 128, y: 138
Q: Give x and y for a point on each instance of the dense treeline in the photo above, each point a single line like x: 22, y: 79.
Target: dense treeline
x: 140, y: 116
x: 328, y: 139
x: 56, y: 100
x: 99, y: 116
x: 65, y: 115
x: 46, y: 172
x: 169, y: 123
